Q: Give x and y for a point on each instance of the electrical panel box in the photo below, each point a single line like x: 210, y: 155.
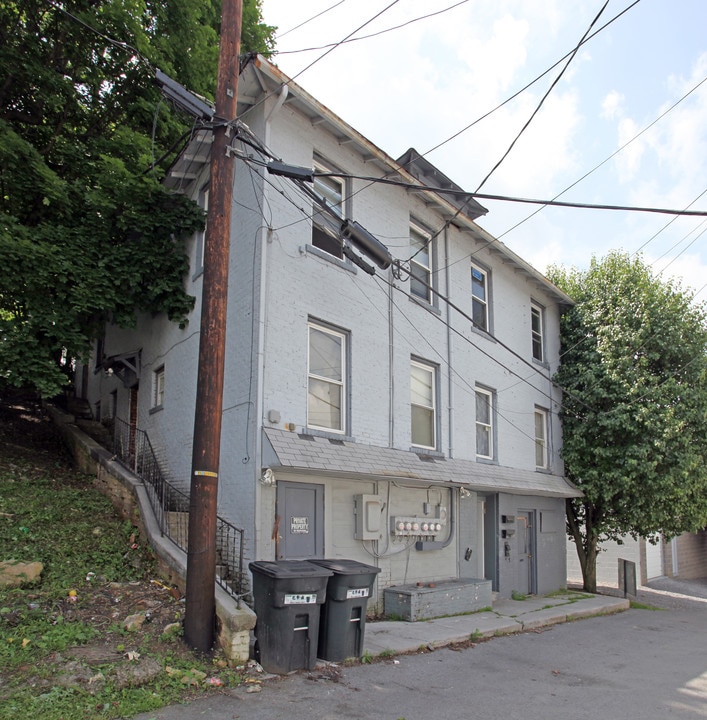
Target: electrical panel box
x: 367, y: 513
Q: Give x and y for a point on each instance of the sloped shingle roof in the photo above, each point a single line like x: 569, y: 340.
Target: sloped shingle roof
x: 318, y: 455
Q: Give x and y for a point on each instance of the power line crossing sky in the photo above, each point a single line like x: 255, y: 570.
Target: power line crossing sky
x: 434, y: 74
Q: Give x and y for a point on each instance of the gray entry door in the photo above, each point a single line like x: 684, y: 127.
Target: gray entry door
x: 300, y: 507
x: 525, y: 532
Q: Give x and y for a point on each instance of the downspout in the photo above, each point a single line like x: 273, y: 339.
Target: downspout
x: 450, y: 364
x: 391, y: 374
x: 284, y: 92
x: 427, y: 545
x: 264, y: 238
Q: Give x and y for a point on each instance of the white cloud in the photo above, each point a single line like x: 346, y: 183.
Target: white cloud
x: 611, y: 106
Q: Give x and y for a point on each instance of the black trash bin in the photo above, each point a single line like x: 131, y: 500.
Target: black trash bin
x: 342, y: 623
x: 287, y: 596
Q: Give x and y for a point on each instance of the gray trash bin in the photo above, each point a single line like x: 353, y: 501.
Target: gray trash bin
x: 287, y: 597
x: 342, y: 623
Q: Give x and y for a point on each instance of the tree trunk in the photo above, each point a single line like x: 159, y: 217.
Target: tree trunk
x: 589, y: 567
x: 585, y: 542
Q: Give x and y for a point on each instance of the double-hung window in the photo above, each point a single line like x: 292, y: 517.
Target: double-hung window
x: 201, y: 236
x: 325, y: 228
x: 420, y: 263
x: 158, y: 387
x: 542, y: 457
x: 479, y: 298
x: 536, y: 331
x: 423, y: 402
x: 484, y: 424
x: 326, y: 394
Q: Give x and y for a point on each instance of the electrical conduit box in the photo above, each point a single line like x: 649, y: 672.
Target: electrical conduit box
x: 416, y: 527
x: 367, y: 514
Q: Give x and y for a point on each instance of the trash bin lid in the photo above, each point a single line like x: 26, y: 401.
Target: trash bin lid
x: 288, y: 569
x: 340, y: 566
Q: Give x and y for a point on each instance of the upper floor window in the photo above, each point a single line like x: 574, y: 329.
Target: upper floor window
x: 536, y: 331
x: 479, y: 298
x: 423, y: 405
x: 420, y: 263
x: 201, y: 236
x: 542, y: 456
x: 484, y: 424
x: 158, y: 387
x: 325, y: 233
x: 326, y: 394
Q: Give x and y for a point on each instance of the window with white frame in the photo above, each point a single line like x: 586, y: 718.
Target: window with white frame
x: 479, y: 298
x: 420, y: 263
x: 201, y: 237
x: 325, y: 235
x: 536, y: 331
x: 542, y: 457
x: 484, y: 424
x: 423, y: 404
x: 326, y: 395
x: 158, y: 387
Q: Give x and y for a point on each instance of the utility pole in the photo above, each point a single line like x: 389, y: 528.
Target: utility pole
x: 199, y: 621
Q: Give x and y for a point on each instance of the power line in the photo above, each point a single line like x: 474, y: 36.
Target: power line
x: 530, y: 84
x: 509, y: 198
x: 314, y: 17
x: 542, y: 100
x: 605, y: 160
x: 118, y: 43
x: 366, y: 37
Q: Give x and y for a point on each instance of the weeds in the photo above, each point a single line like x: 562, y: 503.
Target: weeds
x: 96, y: 571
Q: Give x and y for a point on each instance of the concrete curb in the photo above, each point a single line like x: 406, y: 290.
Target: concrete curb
x: 507, y: 617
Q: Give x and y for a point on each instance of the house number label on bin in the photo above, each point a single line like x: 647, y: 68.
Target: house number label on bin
x: 299, y: 525
x: 356, y: 593
x: 301, y: 599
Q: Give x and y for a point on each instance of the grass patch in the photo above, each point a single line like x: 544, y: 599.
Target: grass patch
x: 97, y: 570
x: 516, y: 595
x: 642, y: 606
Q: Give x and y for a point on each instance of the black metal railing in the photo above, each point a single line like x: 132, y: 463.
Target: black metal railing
x: 170, y: 505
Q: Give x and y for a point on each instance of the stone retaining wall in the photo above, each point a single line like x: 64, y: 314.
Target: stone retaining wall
x: 129, y: 497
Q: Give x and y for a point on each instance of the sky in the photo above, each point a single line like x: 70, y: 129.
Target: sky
x: 423, y: 84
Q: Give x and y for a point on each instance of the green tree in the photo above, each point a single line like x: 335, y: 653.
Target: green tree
x: 87, y: 232
x: 634, y: 371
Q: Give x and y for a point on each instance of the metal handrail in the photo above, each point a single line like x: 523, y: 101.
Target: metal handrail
x: 132, y: 448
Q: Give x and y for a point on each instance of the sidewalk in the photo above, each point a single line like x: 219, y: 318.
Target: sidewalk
x: 506, y: 617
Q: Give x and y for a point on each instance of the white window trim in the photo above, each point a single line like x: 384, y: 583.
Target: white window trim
x: 158, y: 385
x: 201, y: 235
x: 427, y: 269
x: 342, y: 383
x: 432, y: 370
x: 327, y: 224
x: 544, y: 442
x: 485, y: 301
x: 489, y: 426
x: 539, y: 311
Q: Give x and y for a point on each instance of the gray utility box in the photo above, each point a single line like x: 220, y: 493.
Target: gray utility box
x: 431, y: 600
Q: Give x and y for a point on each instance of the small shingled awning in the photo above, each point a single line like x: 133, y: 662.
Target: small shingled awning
x: 316, y: 455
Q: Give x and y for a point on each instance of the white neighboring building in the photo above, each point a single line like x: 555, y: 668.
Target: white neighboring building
x: 353, y: 403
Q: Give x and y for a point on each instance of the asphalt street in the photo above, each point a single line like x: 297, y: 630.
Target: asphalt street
x: 636, y: 665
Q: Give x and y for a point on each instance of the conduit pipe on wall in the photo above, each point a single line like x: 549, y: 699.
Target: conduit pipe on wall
x: 428, y: 545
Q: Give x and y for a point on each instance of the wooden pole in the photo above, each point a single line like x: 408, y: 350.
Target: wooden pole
x: 199, y: 621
